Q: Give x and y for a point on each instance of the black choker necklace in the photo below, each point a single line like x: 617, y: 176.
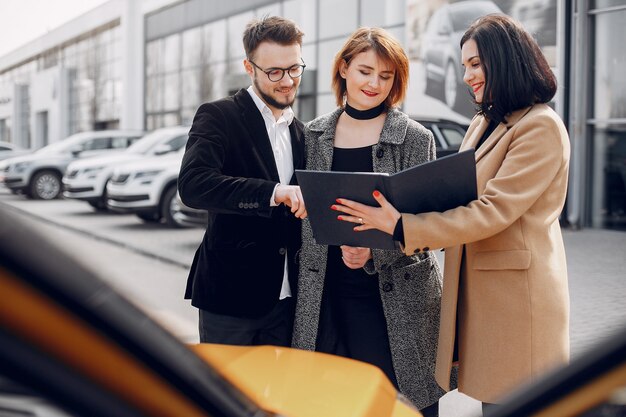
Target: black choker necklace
x: 365, y: 114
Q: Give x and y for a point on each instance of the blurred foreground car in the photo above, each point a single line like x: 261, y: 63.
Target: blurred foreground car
x: 10, y: 150
x: 39, y: 174
x: 441, y: 51
x: 86, y: 180
x: 147, y: 188
x: 69, y: 338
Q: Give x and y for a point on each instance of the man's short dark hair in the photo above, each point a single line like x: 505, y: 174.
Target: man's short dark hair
x: 270, y: 29
x: 517, y: 74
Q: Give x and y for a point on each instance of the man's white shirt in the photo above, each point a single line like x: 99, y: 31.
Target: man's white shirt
x: 280, y: 139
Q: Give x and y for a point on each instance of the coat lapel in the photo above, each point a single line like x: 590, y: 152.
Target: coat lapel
x: 327, y: 127
x: 490, y: 142
x: 257, y: 131
x: 297, y: 145
x: 476, y: 133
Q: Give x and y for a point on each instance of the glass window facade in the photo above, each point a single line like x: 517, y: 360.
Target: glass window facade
x: 93, y: 63
x: 208, y: 56
x: 193, y: 54
x: 607, y: 196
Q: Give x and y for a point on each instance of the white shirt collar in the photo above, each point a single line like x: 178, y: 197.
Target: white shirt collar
x: 287, y: 115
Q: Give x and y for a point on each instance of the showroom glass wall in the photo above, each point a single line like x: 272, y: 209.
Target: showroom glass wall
x: 199, y: 57
x: 94, y: 65
x: 606, y: 198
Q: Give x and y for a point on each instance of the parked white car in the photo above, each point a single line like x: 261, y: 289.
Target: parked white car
x: 10, y: 150
x: 38, y: 175
x: 147, y: 188
x: 86, y: 180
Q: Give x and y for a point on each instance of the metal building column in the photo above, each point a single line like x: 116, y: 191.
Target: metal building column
x: 579, y: 107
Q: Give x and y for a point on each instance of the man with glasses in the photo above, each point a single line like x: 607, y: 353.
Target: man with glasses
x: 239, y: 166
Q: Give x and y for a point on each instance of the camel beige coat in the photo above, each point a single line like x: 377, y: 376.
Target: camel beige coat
x: 510, y: 288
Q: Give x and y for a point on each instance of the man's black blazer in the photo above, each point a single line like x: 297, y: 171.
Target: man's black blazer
x: 229, y: 170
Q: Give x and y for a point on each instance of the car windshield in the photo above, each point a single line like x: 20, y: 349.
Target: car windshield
x: 63, y: 146
x: 462, y: 17
x: 143, y: 145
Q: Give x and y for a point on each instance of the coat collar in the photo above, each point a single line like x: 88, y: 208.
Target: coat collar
x: 394, y: 128
x: 482, y: 123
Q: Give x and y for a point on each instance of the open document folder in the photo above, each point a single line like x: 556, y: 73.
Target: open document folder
x: 437, y: 185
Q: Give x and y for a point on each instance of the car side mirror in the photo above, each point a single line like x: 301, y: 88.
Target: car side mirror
x: 76, y: 150
x: 162, y: 149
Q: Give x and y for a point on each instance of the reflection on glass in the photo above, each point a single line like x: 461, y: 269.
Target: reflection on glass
x: 339, y: 18
x: 599, y: 4
x: 171, y: 93
x: 303, y: 12
x: 192, y: 47
x: 382, y: 13
x: 171, y: 59
x: 608, y: 191
x: 610, y: 61
x: 236, y: 26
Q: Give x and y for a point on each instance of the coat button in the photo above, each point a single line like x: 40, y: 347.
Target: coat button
x: 407, y: 276
x: 282, y: 251
x: 380, y: 153
x: 387, y: 286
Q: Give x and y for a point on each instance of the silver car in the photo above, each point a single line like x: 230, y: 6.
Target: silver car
x: 147, y: 188
x: 86, y: 179
x: 10, y: 150
x: 38, y: 175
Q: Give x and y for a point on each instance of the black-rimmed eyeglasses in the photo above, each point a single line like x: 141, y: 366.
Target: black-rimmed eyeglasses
x: 277, y: 74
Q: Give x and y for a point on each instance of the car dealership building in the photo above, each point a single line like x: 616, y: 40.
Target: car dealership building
x: 144, y: 64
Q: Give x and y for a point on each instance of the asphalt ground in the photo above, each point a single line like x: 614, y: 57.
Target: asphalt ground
x: 596, y: 262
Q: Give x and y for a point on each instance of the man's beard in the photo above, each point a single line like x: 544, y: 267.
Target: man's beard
x: 271, y: 101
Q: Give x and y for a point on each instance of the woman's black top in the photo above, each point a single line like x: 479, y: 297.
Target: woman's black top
x: 343, y: 280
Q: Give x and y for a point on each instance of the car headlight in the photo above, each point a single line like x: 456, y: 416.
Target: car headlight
x: 92, y: 172
x: 148, y: 174
x: 21, y: 166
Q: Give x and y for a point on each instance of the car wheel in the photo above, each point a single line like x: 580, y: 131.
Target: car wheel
x: 45, y: 185
x: 451, y: 86
x: 429, y: 83
x: 169, y: 206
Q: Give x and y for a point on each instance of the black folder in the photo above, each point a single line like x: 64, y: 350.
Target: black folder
x: 437, y: 185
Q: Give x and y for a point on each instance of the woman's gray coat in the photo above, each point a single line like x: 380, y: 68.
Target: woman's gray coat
x: 410, y: 286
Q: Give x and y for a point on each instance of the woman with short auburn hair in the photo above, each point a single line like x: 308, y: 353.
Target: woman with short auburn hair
x: 377, y: 306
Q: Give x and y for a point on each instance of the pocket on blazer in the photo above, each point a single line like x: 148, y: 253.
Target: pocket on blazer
x: 502, y: 260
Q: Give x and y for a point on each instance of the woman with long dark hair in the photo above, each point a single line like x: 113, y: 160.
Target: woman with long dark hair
x: 505, y: 303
